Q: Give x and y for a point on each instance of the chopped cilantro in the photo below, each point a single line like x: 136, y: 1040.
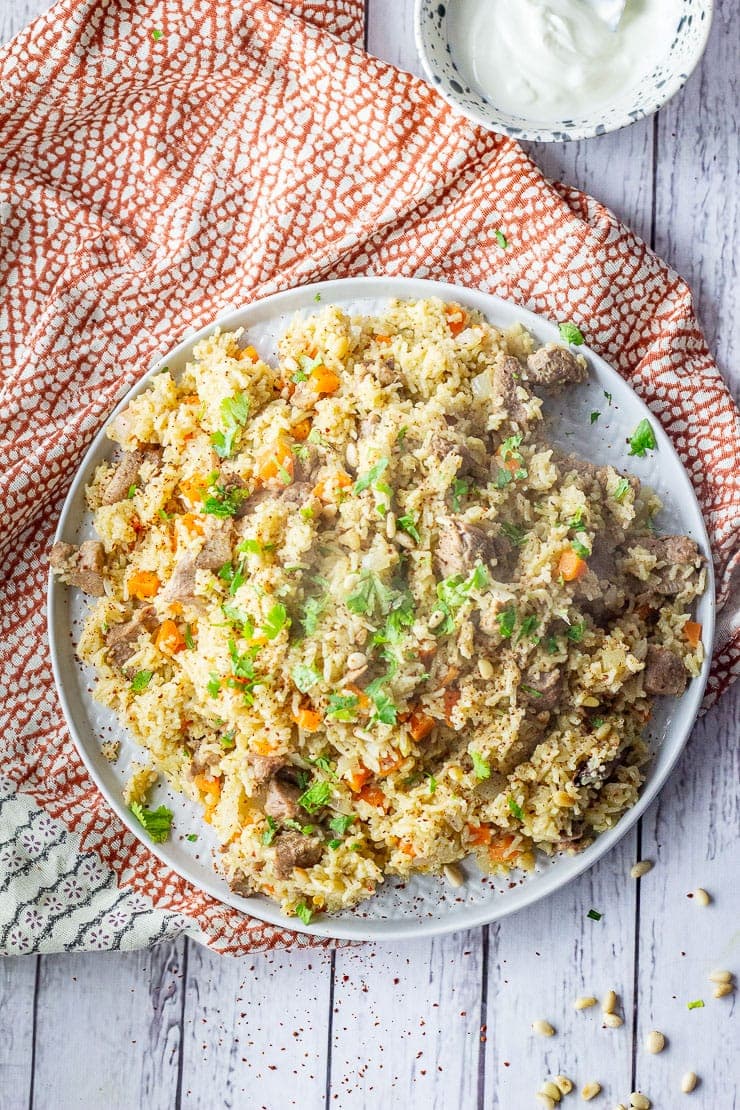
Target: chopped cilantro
x: 343, y: 707
x: 506, y: 622
x: 454, y: 592
x: 233, y: 575
x: 315, y: 797
x: 250, y: 547
x: 385, y: 709
x: 223, y: 502
x: 306, y: 513
x: 157, y: 35
x: 334, y: 844
x: 324, y: 764
x: 313, y: 607
x: 510, y: 447
x: 697, y: 1004
x: 276, y: 620
x: 533, y: 693
x: 141, y: 680
x: 163, y: 515
x: 594, y: 915
x: 597, y: 722
x: 192, y: 837
x: 552, y: 645
x: 620, y: 489
x: 501, y: 239
x: 609, y: 397
x: 304, y: 677
x: 595, y: 416
x: 214, y: 684
x: 481, y: 766
x: 460, y: 489
x: 157, y: 822
x: 528, y: 627
x: 580, y: 548
x: 367, y: 480
x: 432, y: 784
x: 239, y: 618
x: 317, y: 297
x: 515, y: 809
x: 642, y: 439
x: 302, y: 909
x: 234, y: 414
x: 406, y: 524
x: 516, y: 535
x: 576, y: 521
x: 269, y: 834
x: 571, y: 334
x: 189, y: 638
x: 341, y: 823
x: 502, y: 478
x: 402, y: 432
x: 575, y: 632
x: 131, y: 491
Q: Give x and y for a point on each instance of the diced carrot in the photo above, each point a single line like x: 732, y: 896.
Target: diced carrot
x: 390, y: 764
x: 500, y: 849
x: 407, y: 848
x: 383, y: 339
x: 212, y: 790
x: 340, y: 479
x: 312, y: 350
x: 194, y: 488
x: 274, y: 461
x: 308, y: 719
x: 192, y: 523
x: 323, y: 380
x: 358, y: 779
x: 143, y: 584
x: 452, y: 697
x: 262, y: 746
x: 250, y: 353
x: 363, y: 701
x: 175, y: 607
x: 692, y: 632
x: 572, y: 566
x: 457, y: 318
x: 480, y: 834
x: 168, y: 638
x: 190, y: 399
x: 301, y: 430
x: 420, y: 724
x: 373, y: 795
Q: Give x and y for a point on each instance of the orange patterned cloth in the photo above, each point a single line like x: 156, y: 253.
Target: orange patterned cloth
x: 152, y: 181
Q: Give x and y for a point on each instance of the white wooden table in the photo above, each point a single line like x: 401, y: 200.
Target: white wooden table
x: 445, y: 1024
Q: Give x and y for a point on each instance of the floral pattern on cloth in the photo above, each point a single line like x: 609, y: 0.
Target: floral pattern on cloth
x: 170, y: 160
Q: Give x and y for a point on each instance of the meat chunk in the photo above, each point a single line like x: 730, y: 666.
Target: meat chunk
x: 125, y: 475
x: 297, y: 493
x: 122, y: 640
x: 543, y: 690
x: 460, y: 546
x: 293, y: 849
x: 553, y: 365
x: 217, y: 547
x: 442, y: 446
x: 282, y: 801
x: 601, y: 590
x: 508, y: 384
x: 81, y: 566
x: 664, y: 673
x: 595, y: 773
x: 242, y: 885
x: 383, y: 369
x: 674, y: 556
x: 263, y: 767
x: 181, y: 586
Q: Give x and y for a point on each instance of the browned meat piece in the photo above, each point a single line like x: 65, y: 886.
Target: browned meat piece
x: 507, y: 381
x: 602, y: 589
x: 80, y: 566
x: 295, y: 494
x: 460, y: 547
x: 125, y: 475
x: 181, y: 586
x: 665, y: 673
x: 442, y: 446
x: 674, y: 554
x: 594, y: 773
x: 264, y: 767
x: 122, y: 640
x: 293, y: 849
x: 282, y: 801
x: 383, y: 370
x: 542, y: 691
x: 553, y: 365
x: 242, y: 885
x: 234, y: 484
x: 217, y: 547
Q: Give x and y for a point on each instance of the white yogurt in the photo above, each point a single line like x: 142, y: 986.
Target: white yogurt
x: 556, y: 59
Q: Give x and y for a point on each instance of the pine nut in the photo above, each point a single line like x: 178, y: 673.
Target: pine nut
x: 641, y: 868
x: 542, y: 1028
x: 454, y: 874
x: 701, y: 897
x: 613, y: 1021
x: 485, y: 666
x: 436, y: 619
x: 722, y: 989
x: 609, y: 1005
x: 356, y: 660
x: 546, y: 1101
x: 591, y: 1090
x: 390, y: 525
x: 655, y: 1042
x: 720, y: 976
x: 548, y: 1088
x: 585, y: 1002
x: 639, y: 1101
x: 563, y: 1084
x: 688, y: 1082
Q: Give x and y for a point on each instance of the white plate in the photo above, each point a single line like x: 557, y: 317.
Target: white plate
x: 425, y: 905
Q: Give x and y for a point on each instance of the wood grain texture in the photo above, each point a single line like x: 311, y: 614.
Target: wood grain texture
x: 386, y: 1027
x: 256, y: 1030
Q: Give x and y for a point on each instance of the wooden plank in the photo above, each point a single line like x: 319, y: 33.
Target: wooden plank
x: 406, y: 1024
x: 108, y: 1029
x: 256, y: 1030
x: 17, y: 987
x: 539, y: 962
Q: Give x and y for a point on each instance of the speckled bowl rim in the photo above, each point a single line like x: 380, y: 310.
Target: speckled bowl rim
x: 354, y: 926
x: 564, y: 133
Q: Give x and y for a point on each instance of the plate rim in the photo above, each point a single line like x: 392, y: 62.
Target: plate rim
x: 358, y: 928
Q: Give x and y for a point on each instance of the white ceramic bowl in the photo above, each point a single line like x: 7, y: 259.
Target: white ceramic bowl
x: 425, y: 904
x: 438, y: 41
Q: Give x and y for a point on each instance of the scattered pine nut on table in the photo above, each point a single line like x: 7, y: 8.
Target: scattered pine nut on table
x: 641, y: 868
x: 655, y: 1041
x: 585, y: 1002
x: 688, y: 1082
x: 542, y: 1028
x: 701, y: 897
x: 590, y: 1090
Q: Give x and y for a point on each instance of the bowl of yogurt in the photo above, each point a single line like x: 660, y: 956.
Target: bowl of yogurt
x: 558, y: 70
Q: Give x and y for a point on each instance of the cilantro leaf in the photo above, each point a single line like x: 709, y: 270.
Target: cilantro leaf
x: 516, y: 535
x: 501, y: 239
x: 575, y: 632
x: 506, y: 621
x: 580, y: 548
x: 595, y: 416
x: 315, y: 797
x: 642, y: 439
x: 214, y: 684
x: 515, y: 808
x: 481, y: 766
x: 406, y: 524
x: 453, y: 592
x: 366, y: 480
x: 189, y: 644
x: 313, y: 607
x: 141, y: 680
x: 528, y: 628
x: 341, y: 823
x: 343, y: 707
x: 620, y: 489
x: 224, y: 503
x: 269, y: 834
x: 302, y: 911
x: 234, y: 414
x: 156, y: 822
x: 571, y: 334
x: 304, y: 677
x: 460, y: 489
x: 276, y: 620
